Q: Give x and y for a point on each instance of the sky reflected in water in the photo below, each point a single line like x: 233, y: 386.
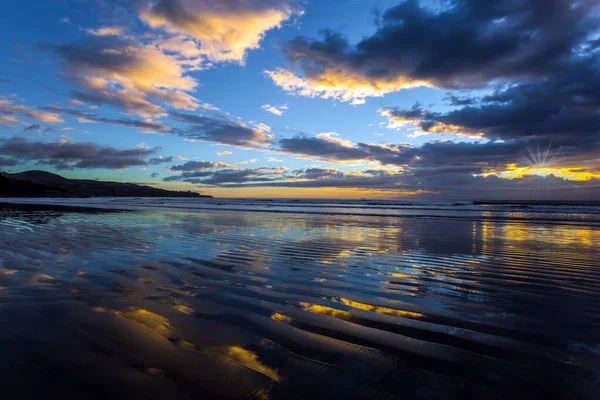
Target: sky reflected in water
x: 159, y: 304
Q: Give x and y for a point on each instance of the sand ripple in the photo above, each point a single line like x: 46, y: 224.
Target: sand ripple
x: 162, y: 304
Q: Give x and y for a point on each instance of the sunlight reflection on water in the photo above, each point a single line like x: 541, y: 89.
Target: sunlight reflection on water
x: 249, y: 305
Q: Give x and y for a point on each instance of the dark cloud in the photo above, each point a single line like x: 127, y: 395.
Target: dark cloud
x: 448, y: 157
x: 224, y: 177
x: 321, y: 147
x: 33, y: 128
x: 454, y: 100
x: 221, y: 130
x: 212, y: 128
x: 155, y: 175
x: 332, y: 149
x: 65, y: 155
x: 8, y: 162
x: 187, y: 176
x: 143, y: 125
x: 199, y: 166
x: 562, y: 108
x: 469, y: 42
x: 451, y: 185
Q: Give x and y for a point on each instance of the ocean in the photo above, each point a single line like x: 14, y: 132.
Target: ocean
x: 294, y: 298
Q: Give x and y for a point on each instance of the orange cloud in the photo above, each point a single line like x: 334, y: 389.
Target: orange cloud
x: 132, y: 75
x: 44, y: 116
x: 514, y: 171
x: 396, y: 121
x: 341, y: 85
x: 8, y: 120
x: 225, y: 30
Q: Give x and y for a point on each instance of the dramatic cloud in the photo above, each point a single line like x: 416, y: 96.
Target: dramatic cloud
x: 342, y: 87
x: 508, y: 158
x: 446, y: 186
x: 66, y: 155
x: 277, y: 110
x: 468, y: 43
x: 221, y: 130
x: 417, y: 118
x: 224, y: 177
x: 561, y: 109
x: 329, y: 147
x: 127, y: 74
x: 224, y: 30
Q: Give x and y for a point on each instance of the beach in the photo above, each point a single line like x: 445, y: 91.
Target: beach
x: 241, y: 299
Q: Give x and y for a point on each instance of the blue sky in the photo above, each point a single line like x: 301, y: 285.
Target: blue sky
x: 366, y: 98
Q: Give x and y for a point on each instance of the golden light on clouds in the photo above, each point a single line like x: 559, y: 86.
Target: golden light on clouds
x: 515, y: 171
x: 224, y: 32
x: 397, y: 121
x: 340, y: 85
x: 136, y: 77
x: 44, y: 116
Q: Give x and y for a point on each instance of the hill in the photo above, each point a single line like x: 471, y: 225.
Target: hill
x: 46, y: 184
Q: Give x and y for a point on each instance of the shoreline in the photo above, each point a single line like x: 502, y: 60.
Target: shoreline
x: 122, y: 205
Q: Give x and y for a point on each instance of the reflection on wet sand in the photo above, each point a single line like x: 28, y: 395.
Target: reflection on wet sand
x: 186, y: 305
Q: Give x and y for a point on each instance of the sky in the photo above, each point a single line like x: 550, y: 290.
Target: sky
x: 430, y: 99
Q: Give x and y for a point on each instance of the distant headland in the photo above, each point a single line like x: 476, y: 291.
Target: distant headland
x: 45, y: 184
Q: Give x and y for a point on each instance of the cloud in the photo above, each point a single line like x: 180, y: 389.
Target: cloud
x: 341, y: 87
x: 118, y: 71
x: 9, y: 109
x: 205, y: 127
x: 224, y: 30
x: 224, y: 153
x: 8, y: 120
x: 224, y: 177
x: 33, y: 128
x: 107, y: 31
x: 199, y: 166
x: 326, y: 146
x: 418, y: 118
x: 221, y: 130
x: 43, y: 116
x: 146, y: 126
x: 161, y: 160
x: 561, y: 108
x: 67, y: 155
x: 504, y: 158
x: 456, y: 186
x: 277, y: 110
x: 467, y: 43
x: 8, y: 162
x: 262, y: 127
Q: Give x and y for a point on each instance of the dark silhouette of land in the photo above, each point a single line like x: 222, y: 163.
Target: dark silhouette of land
x: 45, y: 184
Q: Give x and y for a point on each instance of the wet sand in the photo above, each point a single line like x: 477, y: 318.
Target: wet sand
x: 234, y: 305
